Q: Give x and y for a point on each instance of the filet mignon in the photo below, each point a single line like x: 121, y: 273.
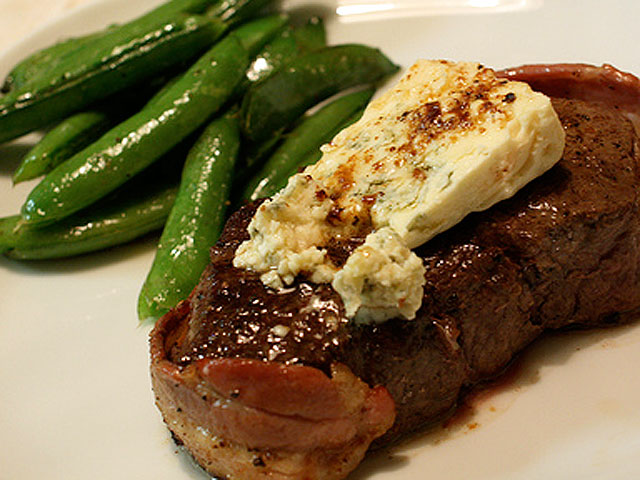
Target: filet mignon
x: 563, y: 251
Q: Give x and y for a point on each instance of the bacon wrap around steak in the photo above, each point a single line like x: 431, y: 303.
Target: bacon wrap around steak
x: 605, y: 84
x: 264, y: 384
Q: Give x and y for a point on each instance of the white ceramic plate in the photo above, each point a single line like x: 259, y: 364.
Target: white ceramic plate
x: 75, y: 400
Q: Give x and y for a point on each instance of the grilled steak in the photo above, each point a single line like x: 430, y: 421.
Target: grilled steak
x: 563, y: 251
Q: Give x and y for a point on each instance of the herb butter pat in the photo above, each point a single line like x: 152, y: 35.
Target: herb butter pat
x: 449, y: 139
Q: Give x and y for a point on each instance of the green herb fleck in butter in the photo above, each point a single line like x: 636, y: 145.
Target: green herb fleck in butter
x: 449, y: 139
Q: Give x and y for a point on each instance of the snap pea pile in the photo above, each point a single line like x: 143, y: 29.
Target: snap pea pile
x: 166, y: 121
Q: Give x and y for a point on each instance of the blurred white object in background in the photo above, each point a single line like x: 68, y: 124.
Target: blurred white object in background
x: 19, y: 18
x: 360, y: 10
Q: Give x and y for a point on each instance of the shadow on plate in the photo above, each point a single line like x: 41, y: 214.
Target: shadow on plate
x: 383, y: 461
x: 192, y: 470
x: 10, y: 156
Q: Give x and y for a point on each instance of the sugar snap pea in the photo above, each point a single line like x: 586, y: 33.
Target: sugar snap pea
x: 65, y: 139
x: 78, y: 131
x: 199, y: 212
x: 254, y: 35
x: 101, y: 68
x: 141, y: 139
x: 124, y: 56
x: 138, y: 141
x: 316, y: 154
x: 289, y: 44
x: 43, y: 60
x: 81, y: 129
x: 127, y: 214
x: 271, y: 105
x: 195, y: 221
x: 304, y: 142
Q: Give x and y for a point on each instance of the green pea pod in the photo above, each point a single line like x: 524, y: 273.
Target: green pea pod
x: 289, y: 44
x: 196, y: 219
x: 78, y: 131
x: 198, y: 215
x: 253, y: 36
x: 304, y: 142
x: 64, y: 140
x: 118, y: 219
x: 275, y: 103
x: 102, y: 68
x: 140, y: 140
x: 43, y: 60
x: 315, y: 155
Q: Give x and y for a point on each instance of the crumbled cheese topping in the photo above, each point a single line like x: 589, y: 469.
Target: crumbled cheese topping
x: 449, y: 139
x: 381, y: 279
